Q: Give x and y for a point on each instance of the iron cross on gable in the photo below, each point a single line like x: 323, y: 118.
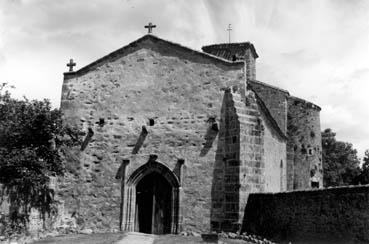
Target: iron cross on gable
x: 229, y: 33
x: 71, y: 64
x: 150, y: 26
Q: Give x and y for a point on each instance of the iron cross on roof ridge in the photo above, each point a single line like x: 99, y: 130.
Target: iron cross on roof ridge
x: 229, y: 33
x: 71, y: 64
x: 150, y: 26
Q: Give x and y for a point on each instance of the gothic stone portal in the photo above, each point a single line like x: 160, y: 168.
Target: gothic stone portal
x: 152, y: 202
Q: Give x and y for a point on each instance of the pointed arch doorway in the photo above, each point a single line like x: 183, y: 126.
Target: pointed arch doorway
x: 152, y: 204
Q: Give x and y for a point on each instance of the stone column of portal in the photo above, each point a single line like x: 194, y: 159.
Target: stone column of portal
x: 121, y: 174
x: 176, y: 199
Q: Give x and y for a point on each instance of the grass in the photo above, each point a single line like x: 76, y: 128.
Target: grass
x: 111, y: 238
x: 101, y: 238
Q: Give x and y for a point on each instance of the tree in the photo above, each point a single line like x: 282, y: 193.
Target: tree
x: 340, y: 162
x: 32, y: 136
x: 364, y: 176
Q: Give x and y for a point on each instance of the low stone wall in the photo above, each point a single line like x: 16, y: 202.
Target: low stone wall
x: 55, y: 222
x: 332, y: 215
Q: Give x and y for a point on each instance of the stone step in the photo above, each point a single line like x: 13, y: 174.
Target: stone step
x: 137, y: 238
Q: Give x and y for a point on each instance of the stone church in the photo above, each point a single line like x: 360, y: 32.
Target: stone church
x: 176, y: 139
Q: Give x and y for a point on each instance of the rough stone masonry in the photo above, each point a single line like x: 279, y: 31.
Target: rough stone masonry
x: 177, y: 139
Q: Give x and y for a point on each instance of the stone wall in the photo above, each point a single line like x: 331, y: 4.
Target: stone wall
x: 275, y: 159
x: 172, y: 91
x: 275, y: 99
x: 304, y: 146
x: 225, y: 195
x: 300, y: 120
x: 252, y: 155
x: 36, y: 222
x: 248, y: 158
x: 250, y: 64
x: 333, y: 215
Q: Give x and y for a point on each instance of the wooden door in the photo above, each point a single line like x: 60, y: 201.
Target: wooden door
x: 154, y: 204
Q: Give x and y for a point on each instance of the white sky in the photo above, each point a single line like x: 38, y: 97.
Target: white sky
x: 316, y: 49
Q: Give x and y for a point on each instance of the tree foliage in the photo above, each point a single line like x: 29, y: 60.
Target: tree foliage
x: 340, y: 162
x: 32, y: 135
x: 364, y: 176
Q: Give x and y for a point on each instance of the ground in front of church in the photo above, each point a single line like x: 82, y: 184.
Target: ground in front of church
x: 129, y: 238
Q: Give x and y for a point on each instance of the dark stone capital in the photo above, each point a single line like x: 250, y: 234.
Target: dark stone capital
x: 122, y: 169
x: 181, y: 161
x: 178, y: 168
x: 125, y: 161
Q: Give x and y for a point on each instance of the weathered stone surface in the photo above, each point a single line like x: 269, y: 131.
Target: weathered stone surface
x: 234, y: 52
x: 336, y: 215
x: 168, y: 85
x: 275, y: 99
x: 156, y: 98
x: 304, y: 144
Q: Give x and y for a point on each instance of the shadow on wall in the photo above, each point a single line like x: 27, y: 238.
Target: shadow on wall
x: 140, y: 140
x: 211, y: 134
x: 225, y: 184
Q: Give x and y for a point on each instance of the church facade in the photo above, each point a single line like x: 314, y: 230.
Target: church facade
x: 176, y: 139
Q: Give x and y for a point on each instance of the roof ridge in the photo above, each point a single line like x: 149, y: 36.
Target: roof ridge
x: 313, y: 105
x: 226, y: 43
x: 271, y: 86
x: 198, y: 51
x: 222, y: 45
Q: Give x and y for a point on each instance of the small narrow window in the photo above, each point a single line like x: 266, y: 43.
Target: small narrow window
x: 281, y: 178
x: 303, y: 149
x: 101, y: 122
x: 151, y: 122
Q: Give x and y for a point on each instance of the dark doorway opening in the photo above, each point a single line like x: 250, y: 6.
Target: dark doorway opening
x: 154, y: 204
